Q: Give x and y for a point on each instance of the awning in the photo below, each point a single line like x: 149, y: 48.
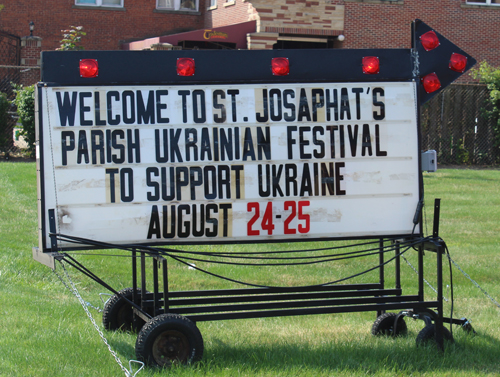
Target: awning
x: 236, y: 34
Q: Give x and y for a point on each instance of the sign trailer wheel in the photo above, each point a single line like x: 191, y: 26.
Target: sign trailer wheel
x: 428, y: 333
x: 118, y: 312
x: 389, y: 324
x: 167, y: 339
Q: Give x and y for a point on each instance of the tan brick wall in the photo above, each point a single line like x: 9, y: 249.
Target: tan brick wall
x: 31, y: 47
x: 274, y: 17
x: 261, y: 41
x: 320, y: 17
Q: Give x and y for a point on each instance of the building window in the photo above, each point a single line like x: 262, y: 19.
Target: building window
x: 100, y: 3
x: 485, y: 2
x: 213, y: 3
x: 189, y: 5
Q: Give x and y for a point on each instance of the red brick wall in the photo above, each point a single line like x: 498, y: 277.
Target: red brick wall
x: 105, y: 28
x: 387, y: 25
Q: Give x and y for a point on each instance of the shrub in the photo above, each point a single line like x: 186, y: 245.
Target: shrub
x: 490, y: 76
x: 25, y: 102
x: 4, y: 107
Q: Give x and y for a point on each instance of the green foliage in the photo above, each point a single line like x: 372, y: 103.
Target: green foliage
x: 460, y: 153
x: 72, y: 39
x: 4, y: 107
x: 490, y: 76
x: 25, y: 102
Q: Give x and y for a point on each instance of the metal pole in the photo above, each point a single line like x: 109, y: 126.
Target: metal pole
x: 143, y: 279
x: 156, y: 296
x: 134, y: 273
x: 421, y: 272
x: 165, y: 286
x: 438, y: 323
x: 398, y: 265
x: 381, y: 270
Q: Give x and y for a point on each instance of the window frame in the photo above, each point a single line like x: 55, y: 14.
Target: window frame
x: 99, y: 4
x: 177, y: 7
x: 487, y: 3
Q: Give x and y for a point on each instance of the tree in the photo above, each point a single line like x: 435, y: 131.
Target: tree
x: 72, y: 38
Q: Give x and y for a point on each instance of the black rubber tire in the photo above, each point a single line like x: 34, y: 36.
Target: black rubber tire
x: 167, y: 339
x: 384, y: 325
x: 428, y: 332
x: 118, y: 314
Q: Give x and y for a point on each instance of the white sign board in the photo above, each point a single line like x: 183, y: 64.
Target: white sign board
x: 204, y: 164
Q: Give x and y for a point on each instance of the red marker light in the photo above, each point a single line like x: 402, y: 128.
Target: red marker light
x: 89, y: 68
x: 280, y: 66
x: 371, y: 65
x: 458, y: 62
x: 429, y: 40
x: 185, y: 67
x: 431, y: 83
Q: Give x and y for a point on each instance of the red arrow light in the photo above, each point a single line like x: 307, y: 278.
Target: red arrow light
x: 458, y: 62
x: 280, y: 66
x: 89, y: 68
x: 371, y: 65
x: 185, y: 67
x: 429, y: 40
x: 431, y: 82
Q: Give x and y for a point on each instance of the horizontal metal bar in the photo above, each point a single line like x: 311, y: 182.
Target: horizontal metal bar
x: 280, y: 297
x: 312, y: 311
x: 292, y: 304
x: 256, y: 291
x: 455, y: 321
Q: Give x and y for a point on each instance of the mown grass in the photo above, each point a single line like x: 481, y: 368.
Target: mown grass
x: 45, y: 331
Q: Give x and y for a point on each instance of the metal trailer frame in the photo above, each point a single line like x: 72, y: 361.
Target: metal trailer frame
x: 227, y: 304
x: 174, y: 313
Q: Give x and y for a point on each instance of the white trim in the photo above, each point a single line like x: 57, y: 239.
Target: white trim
x: 487, y: 2
x: 176, y: 5
x: 98, y: 3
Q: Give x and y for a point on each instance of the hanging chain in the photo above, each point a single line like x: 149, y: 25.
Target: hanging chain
x: 426, y: 282
x: 473, y: 282
x: 74, y: 290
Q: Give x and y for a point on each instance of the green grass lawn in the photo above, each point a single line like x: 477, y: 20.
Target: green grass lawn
x: 45, y: 331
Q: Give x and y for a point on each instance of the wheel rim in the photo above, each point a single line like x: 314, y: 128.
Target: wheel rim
x: 170, y: 346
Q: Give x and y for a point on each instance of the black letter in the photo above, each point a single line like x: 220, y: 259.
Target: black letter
x: 381, y: 114
x: 65, y: 146
x: 67, y: 108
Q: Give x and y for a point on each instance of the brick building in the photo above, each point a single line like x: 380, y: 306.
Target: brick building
x: 257, y: 24
x: 108, y: 23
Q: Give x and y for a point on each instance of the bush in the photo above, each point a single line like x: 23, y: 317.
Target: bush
x: 25, y: 102
x: 490, y: 76
x: 4, y: 107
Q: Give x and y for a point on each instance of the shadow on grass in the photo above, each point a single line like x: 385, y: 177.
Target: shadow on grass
x: 474, y: 354
x: 468, y: 355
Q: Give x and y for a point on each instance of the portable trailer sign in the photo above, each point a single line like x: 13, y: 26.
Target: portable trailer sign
x: 134, y: 157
